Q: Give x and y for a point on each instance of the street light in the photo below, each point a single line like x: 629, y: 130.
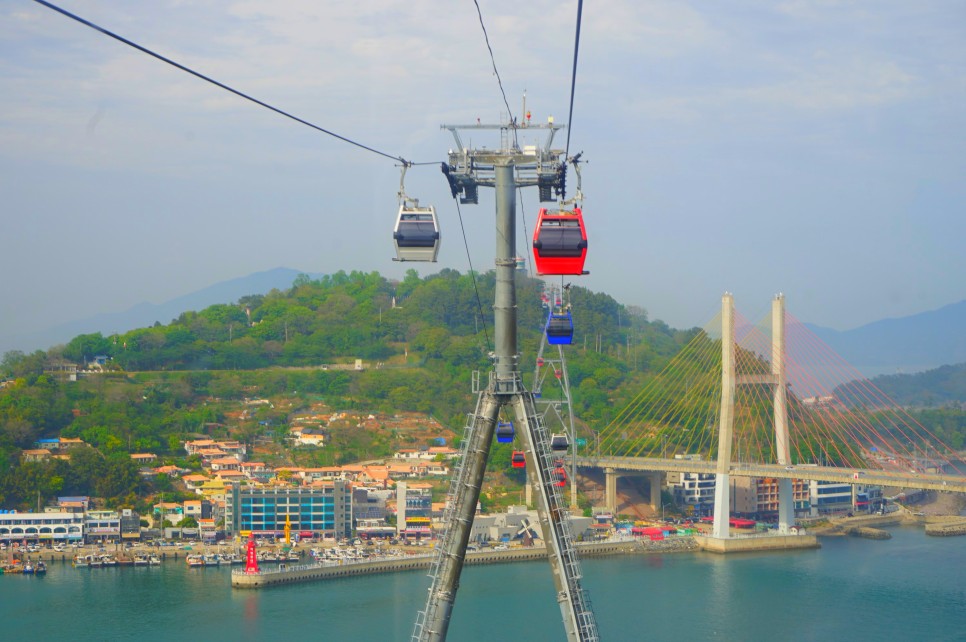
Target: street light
x: 662, y: 509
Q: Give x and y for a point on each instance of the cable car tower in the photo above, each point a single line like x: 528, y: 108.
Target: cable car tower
x: 505, y: 169
x: 557, y: 408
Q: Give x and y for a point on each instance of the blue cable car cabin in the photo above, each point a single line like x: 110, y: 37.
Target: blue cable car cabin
x: 560, y: 329
x: 560, y: 242
x: 416, y: 234
x: 504, y: 432
x: 518, y: 459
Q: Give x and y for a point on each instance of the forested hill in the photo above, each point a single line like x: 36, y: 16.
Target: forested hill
x: 942, y: 386
x: 366, y: 316
x: 420, y: 340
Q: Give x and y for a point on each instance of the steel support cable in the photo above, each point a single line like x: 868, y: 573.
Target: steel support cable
x: 879, y: 399
x: 499, y: 81
x: 839, y: 426
x: 828, y: 426
x: 523, y: 217
x: 711, y: 363
x: 476, y: 289
x: 802, y: 433
x: 633, y: 414
x: 860, y: 428
x: 612, y: 430
x: 747, y: 358
x: 573, y: 77
x: 680, y: 376
x: 633, y: 408
x: 214, y: 82
x: 700, y: 378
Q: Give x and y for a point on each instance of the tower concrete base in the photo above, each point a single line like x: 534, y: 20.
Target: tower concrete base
x: 755, y: 544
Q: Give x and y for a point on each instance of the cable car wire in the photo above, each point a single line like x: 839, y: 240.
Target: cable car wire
x: 573, y: 77
x: 149, y: 52
x: 469, y: 259
x: 486, y: 37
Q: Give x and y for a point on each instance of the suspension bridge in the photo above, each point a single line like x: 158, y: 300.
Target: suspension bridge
x: 767, y: 399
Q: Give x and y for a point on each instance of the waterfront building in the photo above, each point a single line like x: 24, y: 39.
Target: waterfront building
x: 130, y: 525
x: 694, y: 492
x: 520, y: 524
x: 835, y: 497
x: 369, y: 503
x: 325, y: 509
x: 62, y: 527
x: 414, y: 508
x: 102, y: 526
x: 77, y: 504
x: 759, y: 496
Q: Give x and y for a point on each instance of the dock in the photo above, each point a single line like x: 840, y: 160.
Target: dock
x: 292, y: 574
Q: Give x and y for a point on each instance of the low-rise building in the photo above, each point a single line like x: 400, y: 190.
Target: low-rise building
x: 321, y: 510
x: 56, y: 527
x: 102, y: 526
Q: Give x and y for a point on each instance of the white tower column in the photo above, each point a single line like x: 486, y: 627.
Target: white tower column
x: 722, y: 500
x: 786, y: 500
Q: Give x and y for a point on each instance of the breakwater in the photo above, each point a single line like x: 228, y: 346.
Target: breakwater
x: 287, y: 574
x: 946, y: 529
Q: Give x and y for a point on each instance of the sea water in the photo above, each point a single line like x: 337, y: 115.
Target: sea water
x: 911, y: 587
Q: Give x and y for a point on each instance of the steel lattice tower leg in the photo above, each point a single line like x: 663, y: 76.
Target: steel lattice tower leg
x: 505, y: 388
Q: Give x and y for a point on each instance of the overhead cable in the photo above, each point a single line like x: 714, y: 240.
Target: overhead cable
x: 573, y: 77
x: 469, y: 260
x: 486, y: 37
x: 219, y: 84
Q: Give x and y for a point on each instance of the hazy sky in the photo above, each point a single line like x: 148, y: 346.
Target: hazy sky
x: 814, y: 148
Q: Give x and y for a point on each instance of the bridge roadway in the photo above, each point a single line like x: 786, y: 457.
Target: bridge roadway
x: 896, y: 478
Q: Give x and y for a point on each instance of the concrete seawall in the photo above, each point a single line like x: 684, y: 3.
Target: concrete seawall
x: 756, y: 544
x: 946, y: 529
x: 330, y: 570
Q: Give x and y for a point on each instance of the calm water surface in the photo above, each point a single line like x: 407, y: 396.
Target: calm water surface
x: 911, y: 587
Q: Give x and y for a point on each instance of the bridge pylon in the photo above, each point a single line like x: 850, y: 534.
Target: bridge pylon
x: 729, y: 381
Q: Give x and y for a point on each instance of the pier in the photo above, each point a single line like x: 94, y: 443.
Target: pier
x: 288, y: 574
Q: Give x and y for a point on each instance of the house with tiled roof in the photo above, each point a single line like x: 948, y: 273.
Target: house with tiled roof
x: 224, y: 463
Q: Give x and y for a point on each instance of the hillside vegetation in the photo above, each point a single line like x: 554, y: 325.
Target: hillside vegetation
x: 420, y: 339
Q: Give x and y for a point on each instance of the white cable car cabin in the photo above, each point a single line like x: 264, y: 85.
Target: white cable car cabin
x: 416, y: 234
x: 559, y: 442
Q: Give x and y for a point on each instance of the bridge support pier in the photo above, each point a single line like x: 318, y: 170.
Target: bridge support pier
x: 654, y: 480
x: 610, y: 489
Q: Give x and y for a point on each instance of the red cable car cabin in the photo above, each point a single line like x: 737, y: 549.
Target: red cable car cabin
x: 518, y: 459
x: 560, y: 242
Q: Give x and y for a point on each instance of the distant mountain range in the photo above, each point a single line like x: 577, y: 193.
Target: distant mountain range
x: 908, y: 344
x: 143, y: 315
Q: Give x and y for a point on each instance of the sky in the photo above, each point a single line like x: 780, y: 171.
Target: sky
x: 815, y: 148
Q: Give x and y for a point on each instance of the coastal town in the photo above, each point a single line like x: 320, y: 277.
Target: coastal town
x: 391, y: 507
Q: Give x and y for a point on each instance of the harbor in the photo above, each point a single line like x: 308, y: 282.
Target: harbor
x: 845, y: 575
